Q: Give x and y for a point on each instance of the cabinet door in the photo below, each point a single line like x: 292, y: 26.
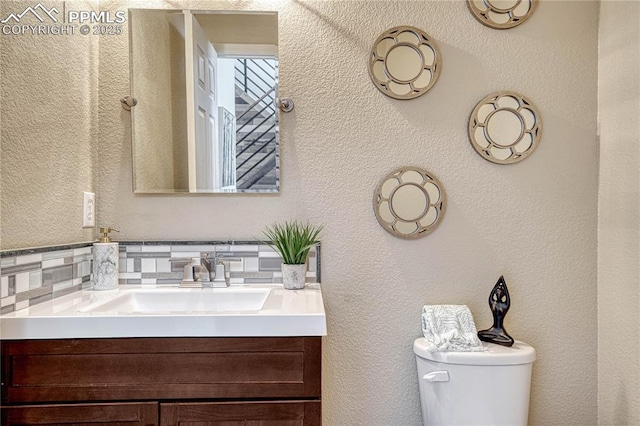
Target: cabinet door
x: 143, y: 414
x: 273, y: 413
x: 150, y: 369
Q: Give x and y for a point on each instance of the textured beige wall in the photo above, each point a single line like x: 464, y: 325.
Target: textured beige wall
x: 534, y: 222
x: 48, y: 103
x: 240, y: 29
x: 152, y: 87
x: 619, y: 214
x: 179, y: 104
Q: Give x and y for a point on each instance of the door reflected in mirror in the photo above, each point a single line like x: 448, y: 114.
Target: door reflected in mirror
x: 206, y: 84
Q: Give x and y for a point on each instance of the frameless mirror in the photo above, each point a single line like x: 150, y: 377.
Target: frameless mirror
x: 409, y: 202
x: 205, y: 84
x: 505, y: 128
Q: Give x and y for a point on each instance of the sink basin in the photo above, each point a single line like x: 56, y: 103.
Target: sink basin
x: 241, y: 310
x: 181, y: 300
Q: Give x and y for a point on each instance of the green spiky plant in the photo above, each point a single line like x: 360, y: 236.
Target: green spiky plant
x: 292, y: 240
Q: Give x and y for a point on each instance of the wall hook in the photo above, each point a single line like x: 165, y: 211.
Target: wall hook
x: 128, y: 102
x: 285, y: 104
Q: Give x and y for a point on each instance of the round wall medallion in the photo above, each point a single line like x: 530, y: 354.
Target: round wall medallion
x: 505, y: 128
x: 409, y: 202
x: 502, y: 14
x: 404, y: 63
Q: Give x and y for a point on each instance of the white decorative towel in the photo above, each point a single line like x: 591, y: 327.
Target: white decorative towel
x: 450, y: 328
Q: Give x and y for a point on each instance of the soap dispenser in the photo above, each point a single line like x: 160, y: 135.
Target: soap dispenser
x: 105, y: 262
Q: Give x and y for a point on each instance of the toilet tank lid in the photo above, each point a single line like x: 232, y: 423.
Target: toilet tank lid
x: 519, y: 353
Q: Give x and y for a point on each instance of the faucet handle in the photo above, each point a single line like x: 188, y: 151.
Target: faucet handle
x: 187, y: 275
x: 222, y: 276
x: 218, y: 257
x: 228, y: 256
x: 220, y: 260
x: 202, y: 268
x: 210, y: 256
x: 191, y: 267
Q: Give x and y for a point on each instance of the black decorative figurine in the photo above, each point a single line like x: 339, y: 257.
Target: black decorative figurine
x: 499, y: 303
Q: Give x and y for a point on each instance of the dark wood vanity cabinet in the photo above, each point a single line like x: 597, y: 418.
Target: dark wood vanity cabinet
x: 143, y: 414
x: 274, y: 413
x: 166, y: 381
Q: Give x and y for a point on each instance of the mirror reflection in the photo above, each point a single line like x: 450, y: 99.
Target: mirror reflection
x: 206, y: 84
x: 404, y: 63
x: 409, y: 202
x: 504, y: 127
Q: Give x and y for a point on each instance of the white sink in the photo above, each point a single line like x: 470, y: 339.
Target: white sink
x: 181, y: 300
x: 241, y: 310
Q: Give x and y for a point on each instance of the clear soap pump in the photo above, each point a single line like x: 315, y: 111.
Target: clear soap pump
x: 105, y: 261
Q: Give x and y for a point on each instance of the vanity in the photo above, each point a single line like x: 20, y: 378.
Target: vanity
x: 149, y: 354
x: 130, y: 356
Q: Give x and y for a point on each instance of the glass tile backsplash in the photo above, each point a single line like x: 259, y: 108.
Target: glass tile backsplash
x: 248, y: 262
x: 32, y: 276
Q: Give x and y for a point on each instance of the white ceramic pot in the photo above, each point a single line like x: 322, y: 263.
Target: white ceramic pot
x: 294, y: 276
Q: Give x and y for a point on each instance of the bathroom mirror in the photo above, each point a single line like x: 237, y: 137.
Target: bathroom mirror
x: 205, y: 84
x: 409, y: 202
x: 505, y: 128
x: 404, y: 63
x: 502, y: 14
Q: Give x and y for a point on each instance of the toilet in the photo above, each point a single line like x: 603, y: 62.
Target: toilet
x: 475, y: 388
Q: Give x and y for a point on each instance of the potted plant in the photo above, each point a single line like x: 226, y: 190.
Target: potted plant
x: 293, y: 240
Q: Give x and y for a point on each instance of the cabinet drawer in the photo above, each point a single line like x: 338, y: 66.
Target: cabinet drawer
x: 133, y: 414
x: 274, y: 413
x: 160, y: 368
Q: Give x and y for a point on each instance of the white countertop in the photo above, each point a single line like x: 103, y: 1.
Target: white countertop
x: 284, y: 313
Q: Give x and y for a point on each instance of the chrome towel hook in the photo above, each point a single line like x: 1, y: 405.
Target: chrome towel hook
x: 128, y: 102
x: 285, y: 104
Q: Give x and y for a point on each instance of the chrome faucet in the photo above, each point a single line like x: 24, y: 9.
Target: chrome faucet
x: 198, y: 271
x: 201, y: 269
x: 222, y: 275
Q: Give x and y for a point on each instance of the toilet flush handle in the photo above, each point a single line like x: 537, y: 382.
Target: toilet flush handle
x: 437, y: 376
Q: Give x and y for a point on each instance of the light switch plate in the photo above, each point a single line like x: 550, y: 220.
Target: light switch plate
x: 88, y: 210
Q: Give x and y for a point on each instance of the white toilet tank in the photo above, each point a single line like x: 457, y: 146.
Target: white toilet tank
x: 475, y: 388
